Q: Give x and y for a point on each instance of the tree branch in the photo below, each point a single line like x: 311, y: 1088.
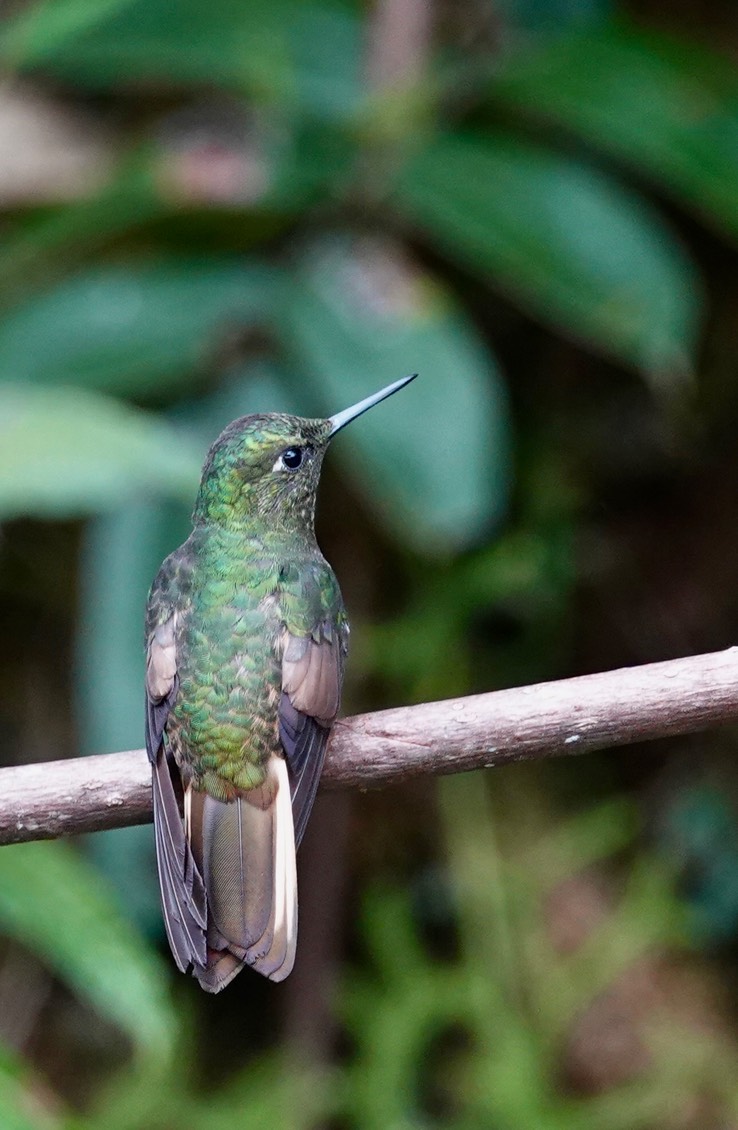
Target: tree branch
x: 546, y: 720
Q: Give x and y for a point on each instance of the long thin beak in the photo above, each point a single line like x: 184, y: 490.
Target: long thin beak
x: 341, y: 419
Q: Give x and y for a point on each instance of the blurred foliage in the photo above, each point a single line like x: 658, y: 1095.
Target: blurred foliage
x: 662, y: 104
x: 537, y: 213
x: 563, y: 241
x: 485, y: 1035
x: 50, y: 899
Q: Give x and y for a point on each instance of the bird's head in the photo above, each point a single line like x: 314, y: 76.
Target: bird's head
x: 263, y: 471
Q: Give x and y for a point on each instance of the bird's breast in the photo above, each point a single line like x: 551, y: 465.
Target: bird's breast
x: 223, y: 725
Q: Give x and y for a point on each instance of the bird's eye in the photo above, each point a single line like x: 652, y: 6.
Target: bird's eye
x: 290, y: 459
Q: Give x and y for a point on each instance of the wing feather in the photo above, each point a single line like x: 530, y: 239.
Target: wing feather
x: 312, y: 673
x: 183, y: 897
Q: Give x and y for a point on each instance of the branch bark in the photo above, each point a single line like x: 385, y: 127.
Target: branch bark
x: 578, y: 715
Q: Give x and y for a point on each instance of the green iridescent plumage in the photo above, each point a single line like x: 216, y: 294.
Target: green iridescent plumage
x: 246, y: 636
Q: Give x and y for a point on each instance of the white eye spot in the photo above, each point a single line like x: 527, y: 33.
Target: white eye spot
x: 289, y: 459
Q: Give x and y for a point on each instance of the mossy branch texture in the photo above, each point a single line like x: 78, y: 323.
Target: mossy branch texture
x: 591, y: 712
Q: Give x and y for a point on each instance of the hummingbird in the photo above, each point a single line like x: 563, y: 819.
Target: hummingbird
x: 246, y: 637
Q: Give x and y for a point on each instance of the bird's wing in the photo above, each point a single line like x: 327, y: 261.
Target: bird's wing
x: 312, y: 675
x: 182, y: 890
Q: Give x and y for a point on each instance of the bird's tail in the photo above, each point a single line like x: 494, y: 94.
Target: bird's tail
x: 246, y: 850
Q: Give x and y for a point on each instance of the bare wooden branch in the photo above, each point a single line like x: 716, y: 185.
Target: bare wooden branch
x: 546, y: 720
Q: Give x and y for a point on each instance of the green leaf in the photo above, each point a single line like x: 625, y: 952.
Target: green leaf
x: 48, y: 27
x: 21, y: 1101
x: 304, y: 56
x: 55, y: 903
x: 68, y: 451
x: 564, y: 240
x: 47, y: 244
x: 668, y: 108
x: 281, y: 172
x: 133, y: 329
x: 434, y: 459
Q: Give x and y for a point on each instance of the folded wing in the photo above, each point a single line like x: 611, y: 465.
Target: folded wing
x: 183, y: 896
x: 312, y: 674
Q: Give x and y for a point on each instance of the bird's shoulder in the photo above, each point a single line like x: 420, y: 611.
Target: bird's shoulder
x: 171, y: 587
x: 310, y: 601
